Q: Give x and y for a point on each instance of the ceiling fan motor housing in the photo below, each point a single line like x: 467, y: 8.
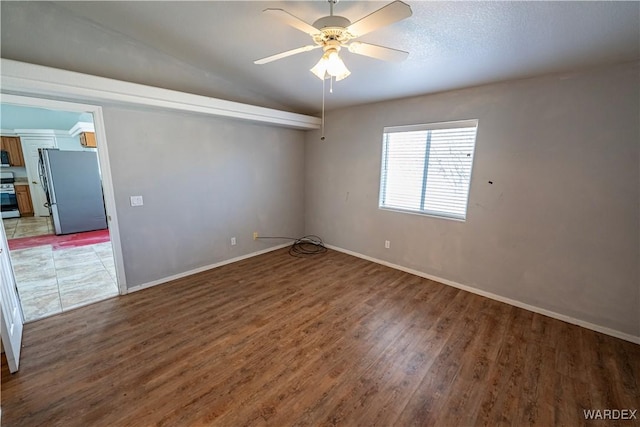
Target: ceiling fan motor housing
x: 332, y: 28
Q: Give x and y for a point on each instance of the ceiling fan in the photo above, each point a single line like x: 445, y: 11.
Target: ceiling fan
x: 331, y: 33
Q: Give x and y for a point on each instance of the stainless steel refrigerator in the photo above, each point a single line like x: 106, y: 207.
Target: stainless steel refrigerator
x: 71, y: 181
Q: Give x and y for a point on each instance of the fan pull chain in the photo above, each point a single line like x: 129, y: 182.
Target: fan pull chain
x: 322, y: 130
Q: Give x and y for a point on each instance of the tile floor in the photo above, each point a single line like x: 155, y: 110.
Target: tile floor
x: 27, y: 226
x: 52, y: 281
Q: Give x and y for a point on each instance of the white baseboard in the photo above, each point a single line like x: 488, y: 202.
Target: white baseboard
x: 519, y: 304
x: 203, y: 268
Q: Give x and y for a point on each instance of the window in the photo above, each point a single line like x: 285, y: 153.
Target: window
x: 426, y: 169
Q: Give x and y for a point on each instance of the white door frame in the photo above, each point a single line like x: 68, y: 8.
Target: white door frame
x: 11, y: 317
x: 103, y: 159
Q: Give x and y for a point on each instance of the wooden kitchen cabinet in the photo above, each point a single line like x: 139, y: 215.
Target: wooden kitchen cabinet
x: 11, y: 144
x: 88, y: 139
x: 23, y: 194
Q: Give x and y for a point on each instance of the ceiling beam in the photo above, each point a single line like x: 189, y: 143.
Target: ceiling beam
x: 20, y: 78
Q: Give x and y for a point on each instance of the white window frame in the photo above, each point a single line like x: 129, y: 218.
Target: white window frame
x: 416, y: 128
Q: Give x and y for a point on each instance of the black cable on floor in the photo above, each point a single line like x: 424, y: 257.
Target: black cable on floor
x: 303, y: 246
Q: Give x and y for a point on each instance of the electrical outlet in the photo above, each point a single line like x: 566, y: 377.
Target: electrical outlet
x: 233, y: 241
x: 255, y: 235
x: 136, y: 201
x: 387, y: 244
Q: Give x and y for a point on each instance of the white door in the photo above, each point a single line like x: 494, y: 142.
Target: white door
x: 30, y: 147
x: 11, y: 311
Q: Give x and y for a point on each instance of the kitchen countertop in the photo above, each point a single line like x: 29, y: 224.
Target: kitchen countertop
x: 21, y: 181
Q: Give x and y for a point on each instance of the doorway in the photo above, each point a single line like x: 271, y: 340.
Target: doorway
x: 59, y: 270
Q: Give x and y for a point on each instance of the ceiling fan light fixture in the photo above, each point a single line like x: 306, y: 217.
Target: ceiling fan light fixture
x: 331, y: 65
x: 320, y: 69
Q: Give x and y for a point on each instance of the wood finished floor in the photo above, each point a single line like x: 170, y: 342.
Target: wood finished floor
x: 328, y: 340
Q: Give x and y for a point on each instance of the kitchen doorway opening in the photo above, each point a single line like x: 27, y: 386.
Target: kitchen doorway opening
x: 63, y: 242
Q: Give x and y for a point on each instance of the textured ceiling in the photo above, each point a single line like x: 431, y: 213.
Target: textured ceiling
x: 451, y: 44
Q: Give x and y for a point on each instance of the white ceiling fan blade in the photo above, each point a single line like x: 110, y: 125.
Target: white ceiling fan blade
x: 285, y: 54
x: 393, y: 12
x: 378, y: 52
x: 294, y: 21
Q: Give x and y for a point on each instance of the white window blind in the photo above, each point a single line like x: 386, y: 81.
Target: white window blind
x: 427, y: 168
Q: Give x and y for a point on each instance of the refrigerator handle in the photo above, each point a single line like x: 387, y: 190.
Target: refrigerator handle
x: 49, y: 182
x: 52, y: 194
x: 41, y: 174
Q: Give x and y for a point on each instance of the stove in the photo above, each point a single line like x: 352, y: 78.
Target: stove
x: 8, y: 199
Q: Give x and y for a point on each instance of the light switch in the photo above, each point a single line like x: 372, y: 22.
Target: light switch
x: 136, y: 201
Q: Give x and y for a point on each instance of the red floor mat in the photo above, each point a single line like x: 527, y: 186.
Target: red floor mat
x: 61, y: 242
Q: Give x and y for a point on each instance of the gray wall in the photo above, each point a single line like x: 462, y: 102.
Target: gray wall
x: 204, y: 180
x: 558, y: 229
x: 19, y: 117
